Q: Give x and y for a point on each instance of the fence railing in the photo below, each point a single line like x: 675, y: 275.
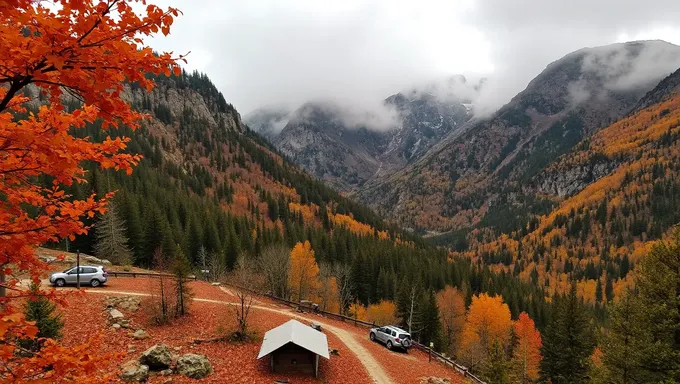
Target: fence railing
x: 144, y: 274
x: 437, y: 356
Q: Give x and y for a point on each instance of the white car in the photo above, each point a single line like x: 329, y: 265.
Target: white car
x: 392, y: 337
x: 89, y: 274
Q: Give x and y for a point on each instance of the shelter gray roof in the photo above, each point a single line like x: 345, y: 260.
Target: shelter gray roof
x: 295, y: 332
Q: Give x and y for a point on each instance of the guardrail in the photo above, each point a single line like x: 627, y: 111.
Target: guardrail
x: 144, y: 274
x: 437, y: 356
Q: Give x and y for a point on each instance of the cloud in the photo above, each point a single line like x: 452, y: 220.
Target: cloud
x: 264, y: 52
x: 374, y: 116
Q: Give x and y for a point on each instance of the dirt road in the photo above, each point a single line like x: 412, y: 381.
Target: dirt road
x: 374, y: 368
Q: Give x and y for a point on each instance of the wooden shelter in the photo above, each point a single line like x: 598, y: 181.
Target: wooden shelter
x: 294, y: 348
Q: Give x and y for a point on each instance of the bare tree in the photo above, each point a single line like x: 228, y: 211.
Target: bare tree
x: 326, y: 291
x: 274, y: 263
x: 161, y: 289
x: 217, y: 267
x: 245, y: 282
x: 343, y: 278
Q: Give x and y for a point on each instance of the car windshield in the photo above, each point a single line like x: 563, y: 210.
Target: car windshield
x: 404, y: 336
x: 66, y: 270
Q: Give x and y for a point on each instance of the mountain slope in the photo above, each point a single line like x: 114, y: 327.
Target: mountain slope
x: 348, y: 146
x: 214, y: 190
x: 598, y: 234
x: 479, y: 174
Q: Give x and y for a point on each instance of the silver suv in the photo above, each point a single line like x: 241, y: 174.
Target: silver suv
x: 89, y: 274
x: 391, y: 336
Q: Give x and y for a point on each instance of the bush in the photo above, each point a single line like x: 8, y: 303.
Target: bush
x: 42, y: 311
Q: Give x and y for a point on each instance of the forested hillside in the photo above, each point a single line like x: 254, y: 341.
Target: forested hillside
x: 218, y: 190
x: 599, y: 234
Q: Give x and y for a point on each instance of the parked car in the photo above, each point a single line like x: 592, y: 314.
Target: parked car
x: 393, y: 337
x: 89, y: 274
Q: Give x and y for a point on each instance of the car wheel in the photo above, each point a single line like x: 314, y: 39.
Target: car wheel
x: 372, y: 336
x: 60, y: 282
x: 389, y: 345
x: 94, y: 283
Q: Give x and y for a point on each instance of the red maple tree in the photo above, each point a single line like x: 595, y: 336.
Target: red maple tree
x: 81, y: 50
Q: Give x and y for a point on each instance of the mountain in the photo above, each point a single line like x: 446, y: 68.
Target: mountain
x: 268, y: 121
x: 211, y: 186
x: 348, y: 146
x: 484, y: 174
x: 599, y: 232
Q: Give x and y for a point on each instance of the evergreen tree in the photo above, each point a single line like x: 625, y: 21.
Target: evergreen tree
x: 41, y: 310
x: 497, y: 368
x: 643, y: 345
x: 568, y: 342
x: 112, y: 242
x: 181, y: 268
x: 430, y: 331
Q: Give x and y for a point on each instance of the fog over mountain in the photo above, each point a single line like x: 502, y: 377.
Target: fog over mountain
x: 262, y: 53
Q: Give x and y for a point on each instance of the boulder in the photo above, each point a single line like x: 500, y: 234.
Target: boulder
x: 134, y: 371
x: 434, y: 380
x: 125, y: 303
x: 92, y: 259
x: 194, y: 366
x: 140, y: 334
x: 115, y: 326
x: 157, y: 357
x: 105, y: 262
x: 116, y: 315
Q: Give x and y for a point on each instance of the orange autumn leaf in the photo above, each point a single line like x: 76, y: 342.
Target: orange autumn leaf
x: 61, y: 50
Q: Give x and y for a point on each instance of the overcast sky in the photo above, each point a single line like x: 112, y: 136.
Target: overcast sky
x: 273, y: 52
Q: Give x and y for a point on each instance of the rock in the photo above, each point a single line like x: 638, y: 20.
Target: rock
x: 166, y: 372
x: 115, y: 326
x: 125, y: 303
x: 140, y: 334
x: 105, y: 262
x: 134, y: 371
x: 434, y: 380
x: 194, y: 366
x: 216, y: 284
x: 116, y: 315
x: 157, y: 357
x: 177, y: 348
x: 93, y: 259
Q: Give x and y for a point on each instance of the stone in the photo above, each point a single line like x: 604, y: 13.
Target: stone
x: 134, y: 371
x: 125, y: 303
x: 116, y: 315
x: 194, y: 366
x: 166, y: 372
x: 434, y: 380
x: 115, y: 326
x: 140, y: 334
x: 157, y: 357
x: 177, y: 348
x: 216, y: 284
x: 93, y: 259
x: 105, y: 262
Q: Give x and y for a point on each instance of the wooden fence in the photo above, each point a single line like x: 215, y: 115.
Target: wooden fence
x: 144, y: 274
x: 437, y: 356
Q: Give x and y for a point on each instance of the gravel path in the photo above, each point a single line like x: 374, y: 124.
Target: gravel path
x: 374, y: 368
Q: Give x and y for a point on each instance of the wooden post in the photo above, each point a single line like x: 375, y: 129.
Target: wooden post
x: 316, y: 365
x: 78, y: 269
